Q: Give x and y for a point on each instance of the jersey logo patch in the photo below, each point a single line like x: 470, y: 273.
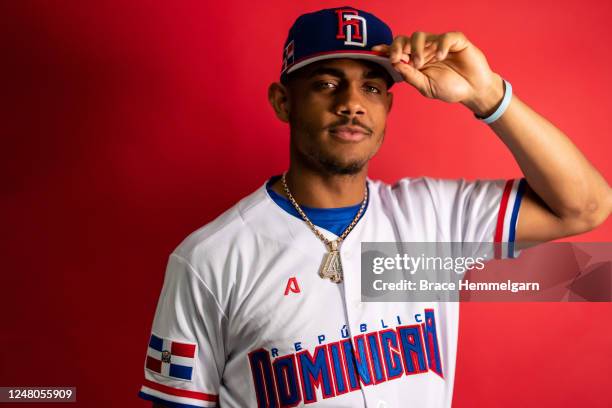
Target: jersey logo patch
x: 292, y: 286
x: 171, y: 358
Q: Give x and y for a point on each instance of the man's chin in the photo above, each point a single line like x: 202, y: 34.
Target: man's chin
x: 338, y: 162
x: 338, y: 167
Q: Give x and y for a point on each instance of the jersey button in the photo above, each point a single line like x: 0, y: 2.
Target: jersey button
x: 381, y: 404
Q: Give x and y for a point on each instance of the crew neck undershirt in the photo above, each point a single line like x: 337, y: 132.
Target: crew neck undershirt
x: 335, y: 220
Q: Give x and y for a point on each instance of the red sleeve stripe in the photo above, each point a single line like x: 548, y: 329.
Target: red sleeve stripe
x: 180, y: 393
x: 499, y: 229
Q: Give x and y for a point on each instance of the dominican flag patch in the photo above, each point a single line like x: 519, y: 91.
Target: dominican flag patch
x: 287, y: 56
x: 171, y: 358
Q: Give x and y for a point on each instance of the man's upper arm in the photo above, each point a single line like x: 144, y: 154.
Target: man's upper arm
x: 538, y: 223
x: 185, y: 353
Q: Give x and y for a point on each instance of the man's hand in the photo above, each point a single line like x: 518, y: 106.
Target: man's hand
x: 447, y: 67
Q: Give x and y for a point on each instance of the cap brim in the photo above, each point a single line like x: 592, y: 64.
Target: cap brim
x: 373, y: 56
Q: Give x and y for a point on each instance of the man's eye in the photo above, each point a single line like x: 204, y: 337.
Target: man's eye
x: 372, y: 89
x: 325, y: 85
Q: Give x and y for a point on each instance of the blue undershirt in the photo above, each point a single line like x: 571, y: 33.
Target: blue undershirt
x: 335, y: 220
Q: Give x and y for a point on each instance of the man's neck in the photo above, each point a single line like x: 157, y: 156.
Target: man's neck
x: 314, y: 189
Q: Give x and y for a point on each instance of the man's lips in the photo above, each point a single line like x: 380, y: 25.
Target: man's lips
x: 349, y: 133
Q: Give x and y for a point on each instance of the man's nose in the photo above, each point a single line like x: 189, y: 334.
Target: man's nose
x: 349, y: 101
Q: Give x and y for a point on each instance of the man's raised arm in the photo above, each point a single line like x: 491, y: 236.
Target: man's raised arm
x: 565, y: 195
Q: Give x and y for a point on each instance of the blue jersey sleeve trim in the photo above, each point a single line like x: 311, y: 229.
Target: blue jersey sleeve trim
x: 514, y: 218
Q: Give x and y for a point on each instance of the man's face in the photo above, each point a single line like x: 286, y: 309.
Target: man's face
x: 337, y: 115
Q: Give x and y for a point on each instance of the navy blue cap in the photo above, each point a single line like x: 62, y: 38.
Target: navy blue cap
x: 341, y: 32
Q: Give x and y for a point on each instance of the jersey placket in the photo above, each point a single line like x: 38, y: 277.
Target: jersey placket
x: 351, y: 259
x: 359, y: 312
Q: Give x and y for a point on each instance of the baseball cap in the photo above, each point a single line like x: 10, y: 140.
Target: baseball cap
x: 340, y: 32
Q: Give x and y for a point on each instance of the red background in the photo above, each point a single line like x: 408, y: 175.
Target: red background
x: 127, y: 125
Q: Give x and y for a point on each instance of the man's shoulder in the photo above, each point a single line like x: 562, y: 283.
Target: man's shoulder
x: 429, y: 183
x: 423, y: 184
x: 437, y: 191
x: 227, y: 229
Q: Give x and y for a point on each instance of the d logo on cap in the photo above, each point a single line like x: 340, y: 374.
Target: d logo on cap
x: 351, y: 26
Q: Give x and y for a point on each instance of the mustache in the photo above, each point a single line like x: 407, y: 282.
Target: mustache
x: 348, y: 122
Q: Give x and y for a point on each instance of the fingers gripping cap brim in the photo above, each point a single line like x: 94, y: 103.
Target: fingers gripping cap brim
x: 373, y: 56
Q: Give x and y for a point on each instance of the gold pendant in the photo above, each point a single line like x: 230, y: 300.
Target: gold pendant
x: 332, y: 266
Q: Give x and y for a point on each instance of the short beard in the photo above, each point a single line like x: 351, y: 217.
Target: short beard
x: 333, y: 167
x: 318, y: 161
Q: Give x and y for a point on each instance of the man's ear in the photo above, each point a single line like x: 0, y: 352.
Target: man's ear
x: 278, y: 95
x: 390, y: 99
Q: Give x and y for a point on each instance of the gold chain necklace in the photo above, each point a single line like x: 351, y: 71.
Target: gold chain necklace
x: 331, y: 268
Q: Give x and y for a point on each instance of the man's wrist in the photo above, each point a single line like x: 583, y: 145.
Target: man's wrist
x: 485, y: 104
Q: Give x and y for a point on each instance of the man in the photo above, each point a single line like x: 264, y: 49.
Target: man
x: 261, y: 307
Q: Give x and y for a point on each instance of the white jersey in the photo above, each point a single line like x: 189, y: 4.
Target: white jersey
x: 244, y: 319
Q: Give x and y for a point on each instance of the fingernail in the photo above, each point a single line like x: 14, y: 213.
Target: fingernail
x: 439, y: 54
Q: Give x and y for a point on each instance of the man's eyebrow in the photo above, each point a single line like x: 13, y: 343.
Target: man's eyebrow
x: 371, y: 74
x: 326, y: 71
